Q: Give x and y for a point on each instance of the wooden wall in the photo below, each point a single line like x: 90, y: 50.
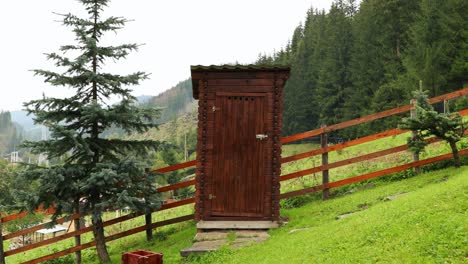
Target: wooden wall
x: 206, y: 84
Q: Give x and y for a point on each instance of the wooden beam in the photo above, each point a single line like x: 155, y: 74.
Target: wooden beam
x: 388, y: 133
x: 448, y: 96
x: 353, y: 160
x: 71, y: 234
x: 394, y: 169
x: 176, y: 167
x: 177, y: 204
x: 371, y: 175
x: 38, y: 227
x: 302, y: 135
x: 360, y: 120
x: 110, y: 238
x: 48, y: 241
x: 463, y: 112
x: 343, y: 162
x: 88, y: 229
x: 107, y: 223
x: 176, y: 186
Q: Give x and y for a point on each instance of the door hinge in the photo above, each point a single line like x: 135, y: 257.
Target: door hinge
x: 211, y: 196
x: 261, y: 136
x: 214, y: 108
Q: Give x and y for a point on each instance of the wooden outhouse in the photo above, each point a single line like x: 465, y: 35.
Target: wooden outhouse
x: 239, y: 144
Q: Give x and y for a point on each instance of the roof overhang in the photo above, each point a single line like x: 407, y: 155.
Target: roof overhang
x: 199, y: 70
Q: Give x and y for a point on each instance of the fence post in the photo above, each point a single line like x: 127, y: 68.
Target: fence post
x: 413, y: 114
x: 446, y: 107
x: 324, y: 145
x: 149, y: 231
x: 2, y: 253
x: 77, y: 224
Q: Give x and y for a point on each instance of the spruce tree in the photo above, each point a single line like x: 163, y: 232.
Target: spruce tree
x: 102, y: 172
x: 334, y: 75
x: 430, y: 123
x: 435, y: 42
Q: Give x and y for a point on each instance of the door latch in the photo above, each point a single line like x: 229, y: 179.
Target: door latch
x: 261, y: 136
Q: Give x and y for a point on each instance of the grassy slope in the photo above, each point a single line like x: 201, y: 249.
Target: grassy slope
x: 185, y: 237
x: 428, y: 225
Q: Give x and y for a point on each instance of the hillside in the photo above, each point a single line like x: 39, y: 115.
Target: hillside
x: 174, y: 102
x: 425, y: 225
x: 23, y: 119
x: 10, y: 134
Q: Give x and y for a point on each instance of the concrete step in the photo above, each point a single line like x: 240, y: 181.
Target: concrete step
x: 213, y: 240
x: 237, y: 224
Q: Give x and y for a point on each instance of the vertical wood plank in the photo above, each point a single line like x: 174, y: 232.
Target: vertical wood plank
x: 325, y: 173
x: 246, y: 154
x: 261, y: 183
x: 252, y: 208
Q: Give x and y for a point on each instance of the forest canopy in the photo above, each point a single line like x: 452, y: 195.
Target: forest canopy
x: 357, y: 60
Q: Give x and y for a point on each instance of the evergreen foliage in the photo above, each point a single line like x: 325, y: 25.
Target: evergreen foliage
x: 428, y: 122
x: 350, y: 62
x: 104, y: 172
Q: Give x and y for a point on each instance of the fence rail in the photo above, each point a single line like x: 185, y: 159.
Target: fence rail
x: 371, y: 175
x: 323, y: 168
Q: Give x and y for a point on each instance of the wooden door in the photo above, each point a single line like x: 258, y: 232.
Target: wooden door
x: 238, y: 176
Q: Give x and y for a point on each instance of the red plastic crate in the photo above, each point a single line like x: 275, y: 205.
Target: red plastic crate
x: 142, y: 257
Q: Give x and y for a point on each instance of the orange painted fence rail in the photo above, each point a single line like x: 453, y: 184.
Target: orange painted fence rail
x: 372, y: 175
x: 324, y: 167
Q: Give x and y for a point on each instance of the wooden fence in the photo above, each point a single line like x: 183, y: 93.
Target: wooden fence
x: 325, y: 167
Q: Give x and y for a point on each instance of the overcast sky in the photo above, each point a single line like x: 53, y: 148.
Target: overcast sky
x: 176, y: 34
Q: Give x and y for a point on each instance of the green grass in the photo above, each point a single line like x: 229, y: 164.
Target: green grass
x: 171, y: 239
x: 118, y: 246
x: 355, y: 169
x: 428, y: 225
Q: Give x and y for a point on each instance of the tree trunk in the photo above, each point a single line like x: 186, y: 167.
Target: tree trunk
x: 100, y: 239
x: 456, y: 156
x: 77, y: 223
x: 2, y: 254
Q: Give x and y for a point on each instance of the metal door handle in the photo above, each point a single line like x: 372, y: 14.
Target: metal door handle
x: 261, y: 136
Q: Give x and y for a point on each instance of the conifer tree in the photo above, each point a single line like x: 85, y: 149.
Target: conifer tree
x: 434, y: 42
x: 99, y: 170
x: 428, y: 122
x: 334, y: 76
